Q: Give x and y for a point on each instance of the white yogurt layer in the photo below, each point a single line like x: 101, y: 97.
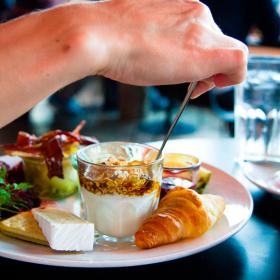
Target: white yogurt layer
x: 118, y: 215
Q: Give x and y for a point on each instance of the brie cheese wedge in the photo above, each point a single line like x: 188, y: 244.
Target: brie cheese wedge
x: 63, y: 230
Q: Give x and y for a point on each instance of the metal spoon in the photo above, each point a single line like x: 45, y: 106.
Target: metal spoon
x: 191, y: 88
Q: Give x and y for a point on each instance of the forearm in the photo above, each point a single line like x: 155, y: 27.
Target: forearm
x: 40, y: 53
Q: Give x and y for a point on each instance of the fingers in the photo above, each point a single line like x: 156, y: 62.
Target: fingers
x: 226, y: 62
x: 225, y: 59
x: 233, y: 68
x: 233, y: 71
x: 232, y: 65
x: 202, y: 87
x: 221, y: 80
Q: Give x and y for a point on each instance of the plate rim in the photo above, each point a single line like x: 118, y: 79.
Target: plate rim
x: 33, y: 259
x: 267, y: 189
x: 262, y: 187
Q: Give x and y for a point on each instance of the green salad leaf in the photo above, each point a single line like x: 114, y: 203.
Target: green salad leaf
x: 22, y: 186
x: 5, y: 197
x: 14, y: 197
x: 3, y: 173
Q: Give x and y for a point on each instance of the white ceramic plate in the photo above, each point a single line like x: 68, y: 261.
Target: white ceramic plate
x: 265, y: 175
x: 238, y: 210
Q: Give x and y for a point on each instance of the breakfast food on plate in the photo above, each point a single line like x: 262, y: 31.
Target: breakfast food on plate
x: 121, y: 194
x: 53, y: 227
x: 63, y: 230
x: 23, y: 226
x: 120, y: 184
x: 183, y: 170
x: 14, y: 167
x: 47, y: 160
x: 204, y: 176
x: 15, y: 197
x: 119, y: 200
x: 182, y: 213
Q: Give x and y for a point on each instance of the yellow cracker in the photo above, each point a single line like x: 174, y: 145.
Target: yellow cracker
x: 23, y: 226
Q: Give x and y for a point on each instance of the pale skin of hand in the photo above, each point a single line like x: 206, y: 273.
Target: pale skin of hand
x: 147, y: 42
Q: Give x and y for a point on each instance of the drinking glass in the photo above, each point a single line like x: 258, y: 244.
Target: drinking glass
x: 120, y: 184
x: 257, y: 116
x: 257, y: 111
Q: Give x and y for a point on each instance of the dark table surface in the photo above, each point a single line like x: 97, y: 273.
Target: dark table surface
x: 252, y: 253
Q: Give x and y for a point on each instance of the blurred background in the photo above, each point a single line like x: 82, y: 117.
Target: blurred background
x: 115, y: 111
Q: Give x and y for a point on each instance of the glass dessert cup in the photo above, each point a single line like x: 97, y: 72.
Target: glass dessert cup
x: 120, y: 185
x: 36, y: 173
x: 179, y: 170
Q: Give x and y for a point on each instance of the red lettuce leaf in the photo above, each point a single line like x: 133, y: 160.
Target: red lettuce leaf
x: 49, y: 146
x: 53, y: 155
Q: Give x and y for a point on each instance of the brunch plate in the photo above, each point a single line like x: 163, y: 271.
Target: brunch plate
x: 238, y: 210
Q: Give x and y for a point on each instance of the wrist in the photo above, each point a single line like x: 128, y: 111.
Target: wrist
x: 84, y: 40
x: 70, y: 36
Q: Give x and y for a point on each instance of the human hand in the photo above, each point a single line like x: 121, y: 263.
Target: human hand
x: 153, y: 42
x: 147, y: 42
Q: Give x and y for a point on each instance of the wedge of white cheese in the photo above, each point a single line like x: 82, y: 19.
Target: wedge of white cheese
x: 63, y: 230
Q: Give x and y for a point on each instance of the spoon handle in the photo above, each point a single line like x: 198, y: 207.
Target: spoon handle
x: 191, y: 87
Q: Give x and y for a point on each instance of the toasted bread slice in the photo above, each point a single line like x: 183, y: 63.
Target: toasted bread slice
x: 23, y: 226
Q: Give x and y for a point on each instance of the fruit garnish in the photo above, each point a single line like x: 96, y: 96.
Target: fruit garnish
x: 52, y: 146
x: 204, y: 176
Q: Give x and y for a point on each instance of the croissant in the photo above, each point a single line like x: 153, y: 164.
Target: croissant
x: 182, y: 213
